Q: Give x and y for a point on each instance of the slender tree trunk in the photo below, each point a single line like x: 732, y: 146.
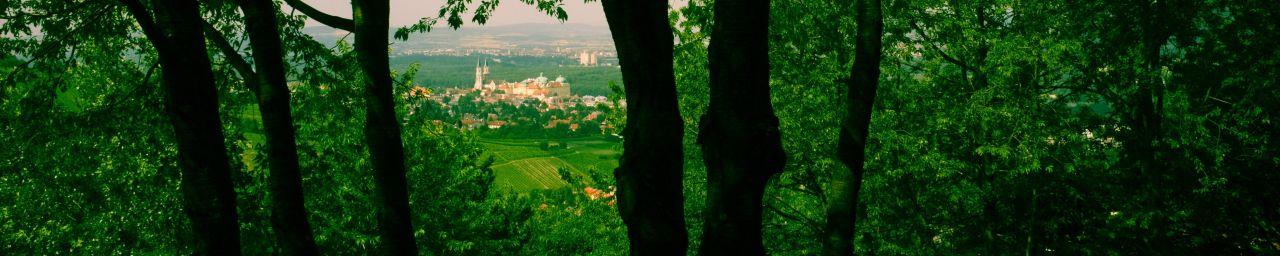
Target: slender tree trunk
x: 741, y: 144
x: 980, y: 79
x: 1033, y: 227
x: 370, y: 22
x: 1147, y: 120
x: 650, y: 173
x: 382, y: 126
x: 288, y: 212
x: 1153, y: 173
x: 191, y: 102
x: 986, y: 177
x: 862, y: 85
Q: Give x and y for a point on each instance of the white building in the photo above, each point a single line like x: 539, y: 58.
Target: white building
x: 587, y: 58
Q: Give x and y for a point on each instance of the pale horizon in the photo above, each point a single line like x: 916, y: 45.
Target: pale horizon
x: 408, y: 12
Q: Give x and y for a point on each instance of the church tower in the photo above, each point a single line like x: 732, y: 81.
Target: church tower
x: 480, y: 71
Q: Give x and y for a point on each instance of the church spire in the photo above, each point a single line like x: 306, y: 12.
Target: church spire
x: 480, y: 71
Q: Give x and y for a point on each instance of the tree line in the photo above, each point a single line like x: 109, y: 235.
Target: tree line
x: 926, y: 127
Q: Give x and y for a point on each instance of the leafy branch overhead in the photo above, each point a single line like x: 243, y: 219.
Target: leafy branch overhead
x: 323, y: 18
x: 715, y: 127
x: 452, y: 12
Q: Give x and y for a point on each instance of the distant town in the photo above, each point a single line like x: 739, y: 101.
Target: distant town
x: 499, y: 100
x: 538, y: 106
x: 588, y: 57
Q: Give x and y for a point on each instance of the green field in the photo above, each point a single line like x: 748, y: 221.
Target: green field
x: 523, y: 165
x: 519, y: 164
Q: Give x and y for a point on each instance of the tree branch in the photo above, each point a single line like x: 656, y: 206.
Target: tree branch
x: 152, y: 70
x: 811, y: 224
x: 147, y: 23
x: 915, y: 25
x: 9, y: 78
x: 323, y: 18
x: 232, y: 56
x: 47, y: 47
x: 67, y: 10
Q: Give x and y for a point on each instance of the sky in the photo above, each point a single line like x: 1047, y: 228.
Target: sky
x: 406, y: 12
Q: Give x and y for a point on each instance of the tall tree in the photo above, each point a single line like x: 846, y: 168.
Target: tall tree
x: 370, y: 23
x: 382, y: 126
x: 191, y: 101
x: 741, y: 144
x: 650, y: 173
x: 288, y: 212
x: 864, y: 79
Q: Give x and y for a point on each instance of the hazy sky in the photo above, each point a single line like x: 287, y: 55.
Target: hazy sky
x: 405, y: 12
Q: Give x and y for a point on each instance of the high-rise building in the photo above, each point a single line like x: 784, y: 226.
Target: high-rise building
x: 587, y: 58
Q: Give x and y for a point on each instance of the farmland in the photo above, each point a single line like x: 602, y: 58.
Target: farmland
x: 525, y: 164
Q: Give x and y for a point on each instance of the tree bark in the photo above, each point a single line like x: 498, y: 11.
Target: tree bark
x: 741, y: 144
x: 370, y: 21
x: 1147, y: 119
x: 323, y: 18
x: 382, y: 126
x: 650, y: 173
x: 288, y: 212
x: 191, y: 102
x: 862, y: 85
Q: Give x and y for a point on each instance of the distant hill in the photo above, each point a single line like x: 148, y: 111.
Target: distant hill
x: 459, y: 71
x: 515, y: 35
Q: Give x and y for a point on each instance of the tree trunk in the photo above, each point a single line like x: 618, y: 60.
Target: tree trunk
x: 862, y: 85
x: 980, y: 79
x: 288, y: 212
x: 1146, y: 119
x: 191, y: 102
x: 742, y: 147
x: 650, y: 173
x: 382, y: 126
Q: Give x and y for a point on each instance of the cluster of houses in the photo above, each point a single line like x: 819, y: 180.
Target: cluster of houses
x: 571, y: 122
x: 542, y: 93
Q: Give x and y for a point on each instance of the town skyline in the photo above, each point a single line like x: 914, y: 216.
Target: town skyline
x: 408, y: 12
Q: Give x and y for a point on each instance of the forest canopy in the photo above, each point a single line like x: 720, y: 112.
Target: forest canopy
x: 745, y: 127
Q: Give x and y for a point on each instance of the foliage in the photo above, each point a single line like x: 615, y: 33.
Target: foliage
x: 1001, y: 127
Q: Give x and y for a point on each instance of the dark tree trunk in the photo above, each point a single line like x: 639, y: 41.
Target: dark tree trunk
x: 1147, y: 118
x: 370, y: 22
x: 986, y: 177
x: 191, y: 102
x: 288, y: 212
x: 382, y: 126
x: 980, y: 79
x: 1153, y: 175
x: 650, y: 173
x: 741, y: 144
x: 862, y: 85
